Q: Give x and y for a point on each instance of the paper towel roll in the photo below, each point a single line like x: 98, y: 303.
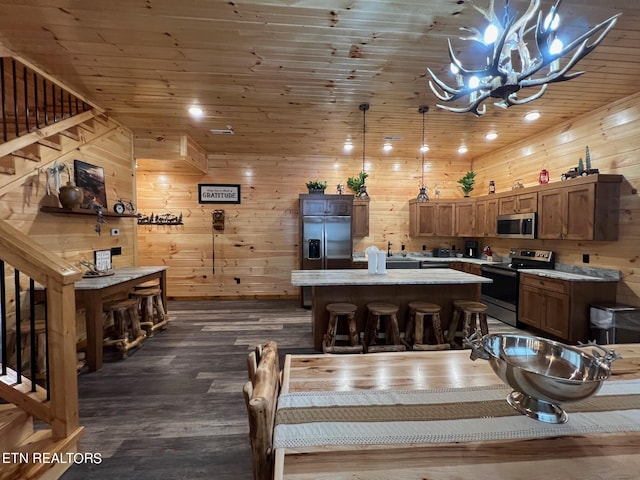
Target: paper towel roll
x: 373, y: 263
x: 382, y: 263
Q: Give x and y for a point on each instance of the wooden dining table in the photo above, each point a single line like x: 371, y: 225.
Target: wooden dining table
x: 367, y: 380
x: 93, y: 292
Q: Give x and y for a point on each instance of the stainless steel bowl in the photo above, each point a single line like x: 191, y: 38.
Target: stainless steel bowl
x: 543, y: 373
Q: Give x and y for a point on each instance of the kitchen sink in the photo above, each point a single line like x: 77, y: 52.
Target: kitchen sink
x: 402, y: 262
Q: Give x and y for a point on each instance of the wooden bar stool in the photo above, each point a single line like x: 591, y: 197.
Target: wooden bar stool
x: 336, y: 311
x: 376, y: 312
x: 128, y: 333
x: 473, y: 314
x: 152, y: 314
x: 416, y: 336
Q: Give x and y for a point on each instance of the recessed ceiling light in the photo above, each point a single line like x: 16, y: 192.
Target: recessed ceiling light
x: 462, y: 149
x: 387, y: 147
x: 424, y: 148
x: 348, y: 146
x: 491, y: 136
x: 530, y: 116
x: 195, y: 111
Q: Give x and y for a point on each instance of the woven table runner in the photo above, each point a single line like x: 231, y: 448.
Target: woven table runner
x: 445, y: 415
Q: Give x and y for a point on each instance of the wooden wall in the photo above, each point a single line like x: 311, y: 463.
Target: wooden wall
x: 255, y: 254
x: 253, y: 257
x: 612, y: 135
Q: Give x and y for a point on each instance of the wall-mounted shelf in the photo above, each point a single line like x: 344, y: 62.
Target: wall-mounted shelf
x: 85, y: 211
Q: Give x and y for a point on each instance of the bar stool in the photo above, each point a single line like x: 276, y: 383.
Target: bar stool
x: 376, y: 312
x: 128, y: 333
x: 415, y: 331
x: 474, y: 314
x: 151, y: 309
x: 336, y: 311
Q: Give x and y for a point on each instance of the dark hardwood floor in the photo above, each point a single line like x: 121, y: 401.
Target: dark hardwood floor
x: 174, y: 409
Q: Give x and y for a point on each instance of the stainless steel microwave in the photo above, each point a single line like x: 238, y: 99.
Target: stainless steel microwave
x: 517, y: 225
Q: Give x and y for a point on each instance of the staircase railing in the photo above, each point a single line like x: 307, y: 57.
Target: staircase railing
x: 52, y: 398
x: 30, y: 101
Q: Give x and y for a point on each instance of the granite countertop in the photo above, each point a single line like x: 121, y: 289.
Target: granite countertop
x: 431, y: 276
x: 425, y: 257
x: 569, y: 276
x: 120, y: 275
x: 561, y: 271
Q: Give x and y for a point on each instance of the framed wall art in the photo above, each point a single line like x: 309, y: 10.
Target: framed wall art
x: 90, y: 179
x: 218, y: 193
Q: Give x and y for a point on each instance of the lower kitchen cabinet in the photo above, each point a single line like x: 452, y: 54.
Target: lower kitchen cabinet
x: 560, y: 308
x: 466, y: 267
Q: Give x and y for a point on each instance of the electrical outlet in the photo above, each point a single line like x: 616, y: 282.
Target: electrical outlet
x: 585, y: 258
x: 115, y: 232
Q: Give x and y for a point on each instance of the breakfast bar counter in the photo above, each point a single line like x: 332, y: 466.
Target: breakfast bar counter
x: 436, y: 285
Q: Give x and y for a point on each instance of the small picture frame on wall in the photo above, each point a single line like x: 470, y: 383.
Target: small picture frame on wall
x: 218, y: 193
x: 90, y: 179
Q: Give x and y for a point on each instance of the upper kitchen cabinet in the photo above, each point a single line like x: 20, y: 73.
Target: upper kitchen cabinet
x: 486, y: 216
x: 465, y: 218
x: 432, y: 218
x: 319, y: 204
x: 585, y: 208
x: 518, y: 203
x: 360, y: 218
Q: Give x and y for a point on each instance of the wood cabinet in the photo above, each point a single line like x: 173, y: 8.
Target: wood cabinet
x: 360, y: 218
x: 518, y: 203
x: 466, y: 267
x: 560, y: 308
x: 465, y: 219
x: 431, y: 219
x: 320, y: 204
x: 582, y: 209
x: 486, y: 216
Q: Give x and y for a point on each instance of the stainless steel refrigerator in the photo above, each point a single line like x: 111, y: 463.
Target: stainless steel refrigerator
x: 325, y: 236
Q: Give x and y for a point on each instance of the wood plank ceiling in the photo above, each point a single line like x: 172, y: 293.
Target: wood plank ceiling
x: 288, y: 75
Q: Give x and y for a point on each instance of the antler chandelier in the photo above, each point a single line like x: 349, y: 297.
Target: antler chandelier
x: 500, y: 78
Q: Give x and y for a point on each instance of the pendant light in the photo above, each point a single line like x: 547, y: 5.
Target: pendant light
x: 362, y: 194
x: 422, y: 195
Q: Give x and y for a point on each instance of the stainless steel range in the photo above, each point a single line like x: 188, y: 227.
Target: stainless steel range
x: 501, y: 296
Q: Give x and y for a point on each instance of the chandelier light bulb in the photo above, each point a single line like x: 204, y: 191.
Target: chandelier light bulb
x: 556, y: 46
x: 474, y: 82
x: 454, y: 68
x: 552, y: 24
x: 490, y: 34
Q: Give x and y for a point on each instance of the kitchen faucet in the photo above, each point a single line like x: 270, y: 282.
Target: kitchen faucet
x: 389, y: 249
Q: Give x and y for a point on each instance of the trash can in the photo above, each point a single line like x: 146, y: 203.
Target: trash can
x: 614, y: 323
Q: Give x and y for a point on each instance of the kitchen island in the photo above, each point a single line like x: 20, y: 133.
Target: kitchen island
x: 436, y: 285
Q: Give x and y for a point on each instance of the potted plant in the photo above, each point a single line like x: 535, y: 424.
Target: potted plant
x: 355, y: 183
x: 467, y: 182
x: 316, y: 186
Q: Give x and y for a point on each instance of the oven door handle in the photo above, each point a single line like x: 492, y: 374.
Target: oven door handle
x: 499, y: 271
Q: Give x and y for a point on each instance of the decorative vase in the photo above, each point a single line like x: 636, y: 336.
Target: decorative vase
x: 70, y: 196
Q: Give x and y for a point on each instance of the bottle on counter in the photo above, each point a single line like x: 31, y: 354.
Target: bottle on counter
x: 492, y: 187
